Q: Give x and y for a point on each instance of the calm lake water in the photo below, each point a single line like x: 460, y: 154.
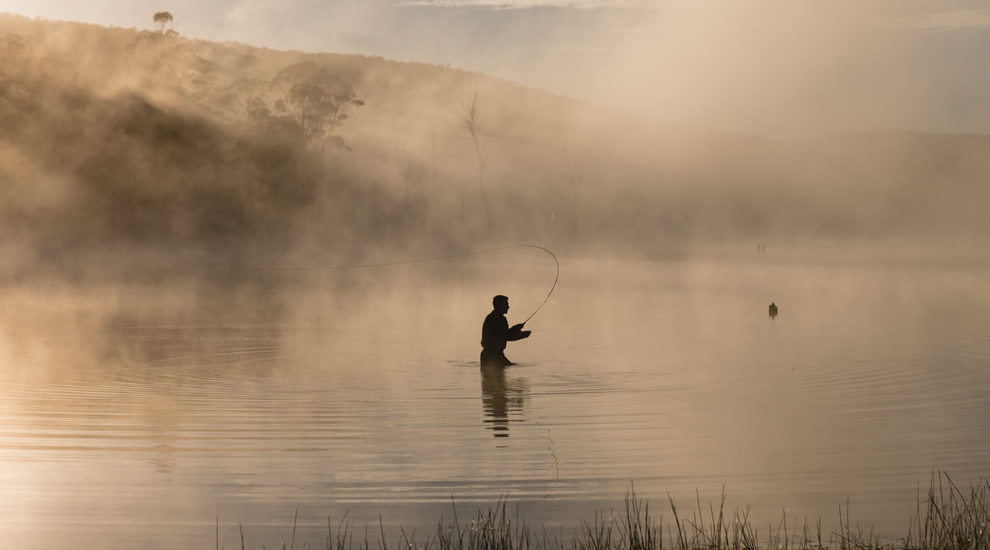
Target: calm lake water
x: 134, y: 417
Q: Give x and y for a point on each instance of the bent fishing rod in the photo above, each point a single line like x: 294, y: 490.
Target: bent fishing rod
x: 556, y: 277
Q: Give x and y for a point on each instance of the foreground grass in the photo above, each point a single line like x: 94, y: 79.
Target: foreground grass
x: 948, y: 518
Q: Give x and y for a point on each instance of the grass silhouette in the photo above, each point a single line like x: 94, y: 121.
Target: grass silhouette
x: 948, y: 517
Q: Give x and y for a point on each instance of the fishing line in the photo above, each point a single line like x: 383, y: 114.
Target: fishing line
x: 556, y: 262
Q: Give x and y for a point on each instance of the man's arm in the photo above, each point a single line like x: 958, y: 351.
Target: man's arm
x: 517, y: 333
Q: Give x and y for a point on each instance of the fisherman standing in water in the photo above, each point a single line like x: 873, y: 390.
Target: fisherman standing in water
x: 496, y: 332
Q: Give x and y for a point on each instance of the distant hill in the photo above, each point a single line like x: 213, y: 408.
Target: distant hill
x: 126, y: 143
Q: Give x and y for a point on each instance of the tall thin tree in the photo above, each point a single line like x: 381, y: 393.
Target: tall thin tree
x: 580, y: 170
x: 473, y: 124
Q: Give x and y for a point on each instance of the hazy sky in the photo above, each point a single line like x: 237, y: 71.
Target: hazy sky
x: 772, y: 67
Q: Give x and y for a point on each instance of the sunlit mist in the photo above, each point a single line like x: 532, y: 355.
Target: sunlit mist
x: 248, y: 249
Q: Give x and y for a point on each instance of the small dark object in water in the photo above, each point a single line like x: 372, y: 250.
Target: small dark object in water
x: 773, y: 310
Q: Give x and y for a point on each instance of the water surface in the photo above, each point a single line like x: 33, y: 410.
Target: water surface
x: 135, y: 417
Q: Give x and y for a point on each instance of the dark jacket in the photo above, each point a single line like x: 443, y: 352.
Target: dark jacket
x: 495, y: 332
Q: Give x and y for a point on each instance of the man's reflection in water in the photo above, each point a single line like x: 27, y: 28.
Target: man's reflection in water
x: 500, y: 397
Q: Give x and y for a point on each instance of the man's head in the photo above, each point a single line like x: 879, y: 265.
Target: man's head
x: 501, y: 304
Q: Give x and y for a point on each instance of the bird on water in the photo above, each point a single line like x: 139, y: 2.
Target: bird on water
x: 773, y: 310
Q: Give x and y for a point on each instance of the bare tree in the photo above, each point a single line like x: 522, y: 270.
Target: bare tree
x: 435, y: 196
x: 578, y: 174
x: 473, y: 124
x: 163, y: 19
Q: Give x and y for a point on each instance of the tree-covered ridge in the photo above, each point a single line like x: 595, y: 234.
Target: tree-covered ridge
x: 150, y: 139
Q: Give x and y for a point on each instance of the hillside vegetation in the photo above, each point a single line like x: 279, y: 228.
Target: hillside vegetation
x: 136, y: 147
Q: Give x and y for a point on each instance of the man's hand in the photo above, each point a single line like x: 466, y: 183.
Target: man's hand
x: 517, y: 333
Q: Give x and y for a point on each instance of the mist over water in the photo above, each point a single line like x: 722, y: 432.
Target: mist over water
x: 240, y: 282
x: 124, y: 426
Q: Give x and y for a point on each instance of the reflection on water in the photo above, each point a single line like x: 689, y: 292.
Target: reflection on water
x: 501, y: 397
x: 126, y: 427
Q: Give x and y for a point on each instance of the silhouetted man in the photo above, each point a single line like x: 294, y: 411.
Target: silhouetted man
x: 496, y: 332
